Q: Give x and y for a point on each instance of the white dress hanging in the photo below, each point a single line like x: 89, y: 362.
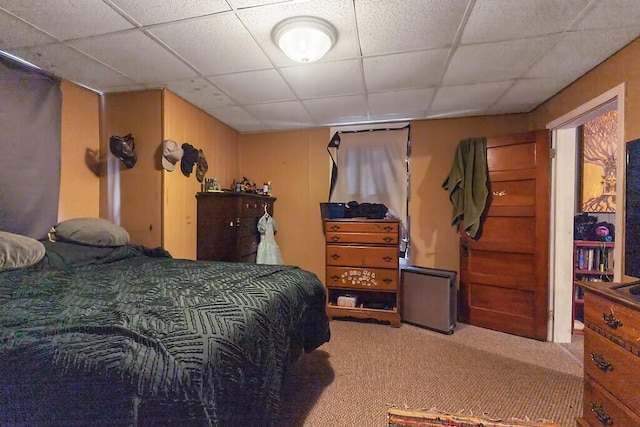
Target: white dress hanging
x: 268, y: 250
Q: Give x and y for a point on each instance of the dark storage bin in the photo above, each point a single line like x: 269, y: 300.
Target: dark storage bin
x: 332, y: 210
x: 429, y: 298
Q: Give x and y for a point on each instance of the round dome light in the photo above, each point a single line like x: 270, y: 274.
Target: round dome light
x: 304, y: 39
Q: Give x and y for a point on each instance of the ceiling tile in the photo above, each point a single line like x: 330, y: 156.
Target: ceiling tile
x: 240, y: 4
x: 254, y: 86
x: 396, y: 26
x: 200, y: 92
x: 89, y: 17
x: 611, y: 14
x: 223, y: 46
x: 16, y: 34
x: 460, y: 100
x: 340, y: 109
x: 137, y: 56
x: 580, y: 51
x: 498, y: 20
x: 148, y: 12
x: 282, y: 115
x: 487, y: 62
x: 534, y: 91
x: 404, y: 70
x: 325, y: 78
x: 260, y: 22
x: 406, y: 102
x: 62, y: 60
x: 238, y: 118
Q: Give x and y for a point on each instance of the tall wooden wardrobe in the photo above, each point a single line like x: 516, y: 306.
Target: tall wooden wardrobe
x: 157, y: 207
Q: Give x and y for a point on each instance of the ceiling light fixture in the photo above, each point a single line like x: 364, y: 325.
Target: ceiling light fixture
x: 304, y: 38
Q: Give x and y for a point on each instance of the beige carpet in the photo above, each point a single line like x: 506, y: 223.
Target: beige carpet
x: 367, y: 368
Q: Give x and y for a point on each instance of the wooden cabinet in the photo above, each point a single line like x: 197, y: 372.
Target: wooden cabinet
x: 362, y: 262
x: 227, y: 225
x: 593, y: 262
x: 611, y: 355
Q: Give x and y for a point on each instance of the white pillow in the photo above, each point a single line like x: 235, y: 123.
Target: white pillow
x: 18, y: 251
x: 91, y: 231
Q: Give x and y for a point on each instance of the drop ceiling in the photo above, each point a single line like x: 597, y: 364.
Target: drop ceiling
x: 393, y: 60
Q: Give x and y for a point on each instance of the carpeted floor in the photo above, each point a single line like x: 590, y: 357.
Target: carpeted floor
x: 367, y: 368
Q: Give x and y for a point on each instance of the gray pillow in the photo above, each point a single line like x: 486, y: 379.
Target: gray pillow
x: 18, y: 251
x: 91, y: 231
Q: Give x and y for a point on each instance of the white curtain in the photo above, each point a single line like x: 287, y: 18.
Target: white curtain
x: 371, y: 167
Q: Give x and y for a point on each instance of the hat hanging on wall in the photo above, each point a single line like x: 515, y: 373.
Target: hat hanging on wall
x: 189, y: 158
x: 123, y: 148
x: 203, y: 166
x: 171, y: 154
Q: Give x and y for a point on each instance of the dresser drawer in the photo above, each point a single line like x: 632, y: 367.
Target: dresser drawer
x: 613, y: 318
x: 373, y: 238
x: 362, y: 256
x: 248, y: 245
x: 601, y: 408
x: 612, y: 367
x: 362, y: 278
x: 361, y: 227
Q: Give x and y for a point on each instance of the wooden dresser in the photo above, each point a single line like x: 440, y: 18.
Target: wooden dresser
x: 227, y: 225
x: 611, y: 355
x: 362, y: 262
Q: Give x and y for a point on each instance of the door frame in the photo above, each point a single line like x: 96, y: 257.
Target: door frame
x: 563, y: 201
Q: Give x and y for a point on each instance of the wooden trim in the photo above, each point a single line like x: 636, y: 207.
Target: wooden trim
x: 543, y: 209
x: 519, y: 138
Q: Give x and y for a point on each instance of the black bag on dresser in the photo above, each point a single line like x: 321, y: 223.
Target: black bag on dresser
x: 582, y: 226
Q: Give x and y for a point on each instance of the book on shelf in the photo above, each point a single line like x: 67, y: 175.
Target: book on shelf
x: 593, y: 259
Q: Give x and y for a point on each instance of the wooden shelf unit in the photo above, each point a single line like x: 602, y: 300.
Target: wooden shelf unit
x: 362, y: 261
x: 599, y: 270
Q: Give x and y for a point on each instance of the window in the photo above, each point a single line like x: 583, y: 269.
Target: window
x: 372, y: 166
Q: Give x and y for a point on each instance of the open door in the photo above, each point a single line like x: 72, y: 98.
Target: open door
x: 504, y: 274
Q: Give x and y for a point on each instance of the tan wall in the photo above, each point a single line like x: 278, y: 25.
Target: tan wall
x: 79, y: 184
x: 185, y: 123
x: 132, y: 197
x: 297, y: 163
x: 620, y: 68
x: 434, y: 242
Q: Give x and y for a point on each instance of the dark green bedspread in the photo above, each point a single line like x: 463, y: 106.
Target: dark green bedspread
x: 217, y: 337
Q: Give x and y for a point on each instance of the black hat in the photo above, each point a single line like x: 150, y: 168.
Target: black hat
x: 203, y: 166
x: 123, y: 148
x: 189, y: 158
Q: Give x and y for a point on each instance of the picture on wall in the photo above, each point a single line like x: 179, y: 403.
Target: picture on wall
x: 598, y: 166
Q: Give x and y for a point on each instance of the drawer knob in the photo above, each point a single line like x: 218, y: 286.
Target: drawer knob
x: 335, y: 256
x: 387, y: 228
x: 600, y: 414
x: 387, y: 258
x: 601, y: 363
x: 335, y: 238
x: 611, y: 321
x: 387, y: 280
x: 335, y: 227
x: 388, y: 239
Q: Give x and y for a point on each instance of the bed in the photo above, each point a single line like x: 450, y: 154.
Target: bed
x: 128, y: 335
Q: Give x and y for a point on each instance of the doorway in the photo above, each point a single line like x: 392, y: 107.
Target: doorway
x: 563, y: 189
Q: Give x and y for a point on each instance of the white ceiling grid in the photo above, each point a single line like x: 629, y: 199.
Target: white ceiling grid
x: 393, y: 60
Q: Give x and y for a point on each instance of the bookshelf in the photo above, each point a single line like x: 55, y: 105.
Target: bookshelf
x: 593, y: 262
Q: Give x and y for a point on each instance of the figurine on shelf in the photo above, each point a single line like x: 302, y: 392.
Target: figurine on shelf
x: 244, y: 186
